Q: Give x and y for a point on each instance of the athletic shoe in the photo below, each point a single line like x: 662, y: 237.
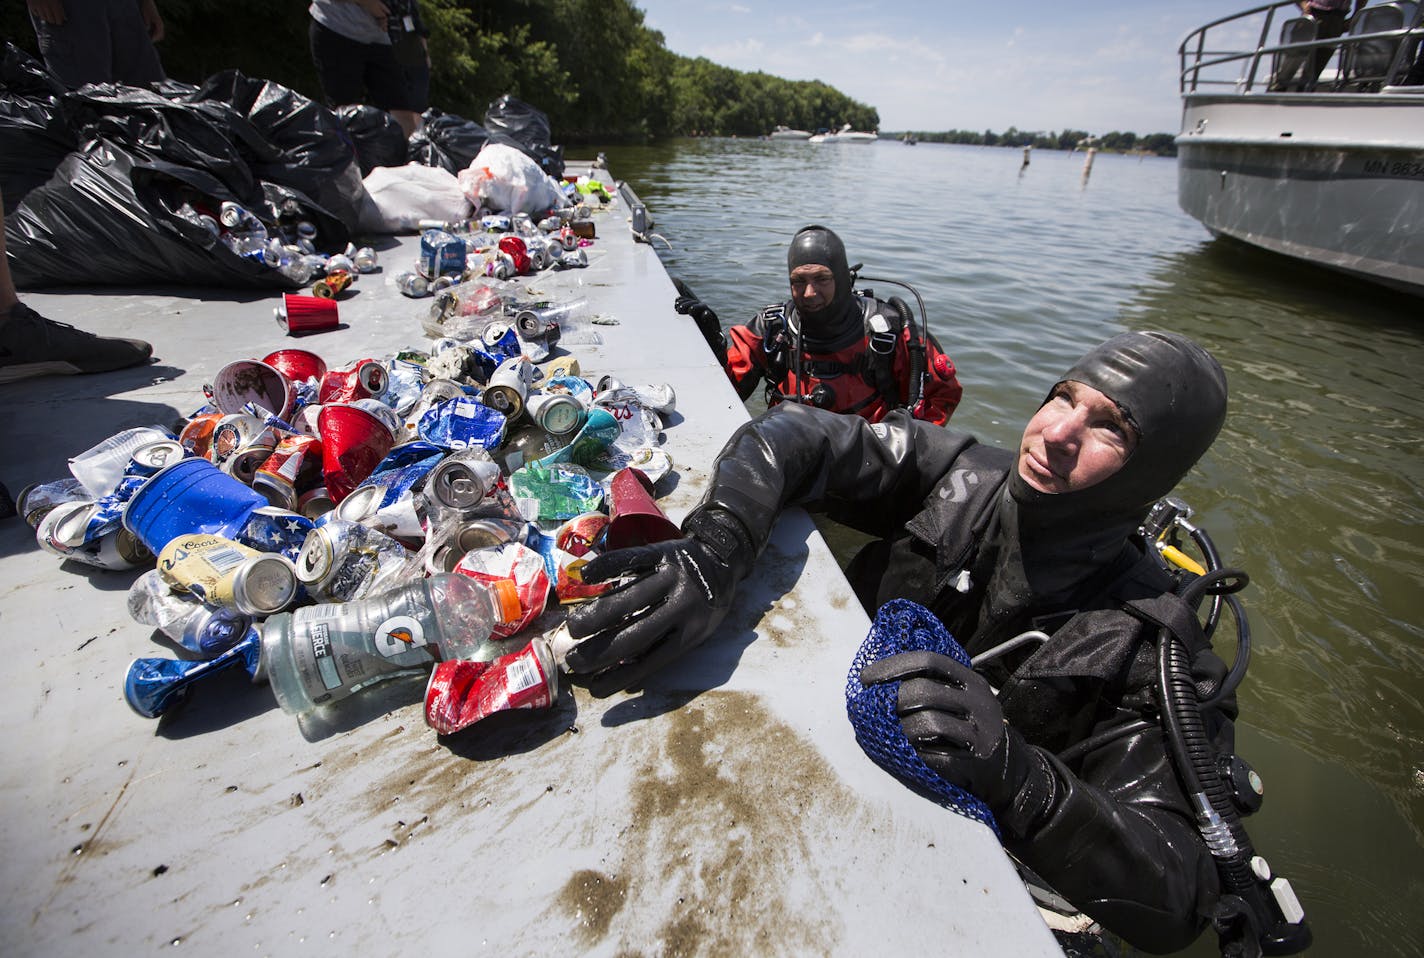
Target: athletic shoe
x: 31, y: 345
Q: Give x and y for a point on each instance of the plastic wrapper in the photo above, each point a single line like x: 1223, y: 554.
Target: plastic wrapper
x: 558, y: 490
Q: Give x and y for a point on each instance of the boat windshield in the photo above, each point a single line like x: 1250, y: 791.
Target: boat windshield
x: 1272, y: 48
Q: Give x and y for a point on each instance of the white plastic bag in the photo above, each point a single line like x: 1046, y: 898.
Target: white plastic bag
x: 502, y: 178
x: 398, y: 197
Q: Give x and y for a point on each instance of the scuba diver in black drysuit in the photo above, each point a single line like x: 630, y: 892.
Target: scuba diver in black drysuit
x: 1070, y: 755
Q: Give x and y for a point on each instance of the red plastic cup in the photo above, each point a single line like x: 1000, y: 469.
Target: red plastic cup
x: 307, y: 314
x: 298, y: 365
x: 250, y: 381
x: 353, y: 443
x: 634, y: 517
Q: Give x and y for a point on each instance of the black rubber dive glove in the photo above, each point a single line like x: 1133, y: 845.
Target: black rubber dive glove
x: 707, y: 322
x: 953, y: 720
x: 676, y: 595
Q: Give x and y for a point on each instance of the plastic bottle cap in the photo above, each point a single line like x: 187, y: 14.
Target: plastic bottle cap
x: 506, y: 594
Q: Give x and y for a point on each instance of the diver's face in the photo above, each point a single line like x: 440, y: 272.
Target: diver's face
x: 813, y: 286
x: 1075, y: 440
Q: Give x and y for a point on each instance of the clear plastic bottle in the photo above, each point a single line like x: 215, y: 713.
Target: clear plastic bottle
x: 193, y: 625
x: 325, y: 653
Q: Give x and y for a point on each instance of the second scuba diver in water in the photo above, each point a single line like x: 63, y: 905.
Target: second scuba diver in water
x: 1070, y: 754
x: 832, y: 347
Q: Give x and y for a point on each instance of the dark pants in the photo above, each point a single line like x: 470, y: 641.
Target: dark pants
x: 1328, y: 26
x: 100, y: 41
x: 352, y: 72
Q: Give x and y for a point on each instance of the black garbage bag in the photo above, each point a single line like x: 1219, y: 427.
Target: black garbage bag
x: 35, y: 134
x: 207, y: 135
x: 288, y: 207
x: 517, y: 124
x: 312, y: 153
x: 110, y: 218
x: 446, y: 140
x: 379, y: 139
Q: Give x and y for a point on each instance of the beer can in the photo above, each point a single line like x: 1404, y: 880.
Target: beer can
x: 364, y: 380
x: 340, y: 559
x: 365, y: 259
x: 334, y: 283
x: 461, y: 482
x: 361, y: 504
x: 36, y: 500
x: 153, y: 456
x: 441, y: 253
x: 412, y: 284
x: 218, y: 571
x: 241, y: 444
x: 231, y: 215
x: 66, y: 531
x: 508, y: 387
x: 101, y: 467
x: 294, y: 459
x: 315, y: 502
x: 556, y: 413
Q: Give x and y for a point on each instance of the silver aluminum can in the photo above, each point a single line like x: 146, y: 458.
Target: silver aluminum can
x: 460, y: 483
x: 340, y: 557
x: 153, y: 456
x: 264, y: 585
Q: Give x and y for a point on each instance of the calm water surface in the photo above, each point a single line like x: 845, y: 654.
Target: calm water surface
x: 1314, y: 487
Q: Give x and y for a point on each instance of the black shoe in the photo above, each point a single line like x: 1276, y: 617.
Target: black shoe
x: 31, y: 345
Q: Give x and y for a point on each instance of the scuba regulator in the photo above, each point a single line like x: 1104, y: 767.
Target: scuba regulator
x: 1258, y: 912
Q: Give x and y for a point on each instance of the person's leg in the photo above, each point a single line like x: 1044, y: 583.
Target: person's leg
x: 134, y: 57
x: 31, y: 345
x: 390, y: 87
x: 340, y: 65
x: 78, y: 50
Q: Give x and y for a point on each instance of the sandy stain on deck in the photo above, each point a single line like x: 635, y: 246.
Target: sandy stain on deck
x: 715, y: 858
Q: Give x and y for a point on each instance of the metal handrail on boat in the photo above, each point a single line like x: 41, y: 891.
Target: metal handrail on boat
x: 1195, y: 57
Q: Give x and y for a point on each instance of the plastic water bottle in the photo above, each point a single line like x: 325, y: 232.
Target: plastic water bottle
x: 325, y: 653
x: 198, y: 628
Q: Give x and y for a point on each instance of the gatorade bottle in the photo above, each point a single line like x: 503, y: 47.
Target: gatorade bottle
x: 324, y: 653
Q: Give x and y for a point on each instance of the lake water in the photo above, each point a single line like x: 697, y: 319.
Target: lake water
x: 1314, y: 487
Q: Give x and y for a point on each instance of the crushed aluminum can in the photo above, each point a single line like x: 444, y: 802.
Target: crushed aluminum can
x: 366, y: 379
x: 68, y: 531
x: 294, y: 463
x: 461, y: 481
x: 36, y: 500
x: 241, y: 444
x: 461, y: 422
x: 558, y: 414
x: 365, y: 260
x: 333, y: 284
x: 153, y: 456
x: 344, y: 560
x: 461, y: 693
x: 197, y: 435
x: 221, y: 572
x: 509, y: 386
x: 412, y: 284
x: 441, y: 254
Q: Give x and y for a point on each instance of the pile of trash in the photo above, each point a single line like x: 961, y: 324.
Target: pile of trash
x: 325, y: 526
x: 119, y: 185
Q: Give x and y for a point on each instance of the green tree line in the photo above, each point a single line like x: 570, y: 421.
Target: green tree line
x: 594, y: 67
x: 1161, y: 144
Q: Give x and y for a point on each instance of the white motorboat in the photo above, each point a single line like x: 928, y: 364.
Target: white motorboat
x: 845, y: 135
x: 786, y: 133
x: 1328, y: 169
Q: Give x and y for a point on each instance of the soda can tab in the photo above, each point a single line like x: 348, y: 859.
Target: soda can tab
x: 295, y: 464
x: 461, y: 481
x: 441, y: 254
x: 298, y: 365
x: 353, y: 442
x: 412, y: 284
x: 222, y: 572
x: 461, y: 693
x: 248, y: 385
x: 365, y: 380
x: 101, y: 467
x: 36, y: 500
x: 508, y: 387
x: 344, y: 560
x: 365, y: 260
x: 462, y: 422
x: 197, y: 435
x: 548, y: 491
x: 330, y: 286
x: 153, y: 456
x: 154, y: 686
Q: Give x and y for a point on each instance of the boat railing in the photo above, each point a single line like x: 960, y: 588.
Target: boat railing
x: 1239, y: 53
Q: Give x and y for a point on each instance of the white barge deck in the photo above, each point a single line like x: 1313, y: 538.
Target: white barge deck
x: 726, y: 810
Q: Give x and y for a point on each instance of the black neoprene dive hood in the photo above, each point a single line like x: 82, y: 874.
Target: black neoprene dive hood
x: 1173, y: 391
x: 816, y: 244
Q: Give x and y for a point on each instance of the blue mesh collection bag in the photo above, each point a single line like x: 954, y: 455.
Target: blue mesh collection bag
x: 904, y: 626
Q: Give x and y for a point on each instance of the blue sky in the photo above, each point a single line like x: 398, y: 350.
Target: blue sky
x: 1037, y: 65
